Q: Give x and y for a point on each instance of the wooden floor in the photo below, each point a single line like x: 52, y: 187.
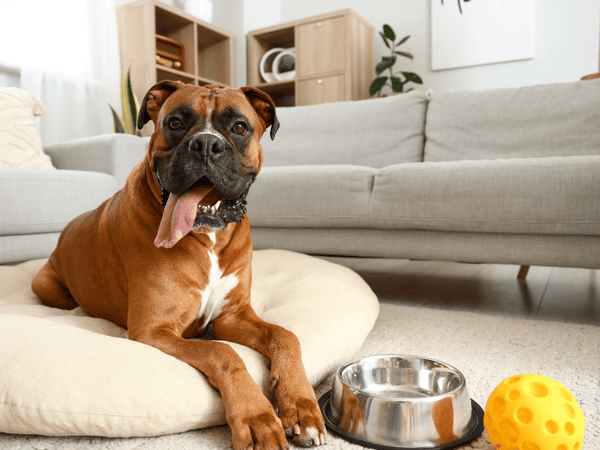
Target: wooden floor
x: 548, y: 293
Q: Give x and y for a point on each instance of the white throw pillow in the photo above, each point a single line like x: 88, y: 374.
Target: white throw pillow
x: 20, y: 143
x: 65, y: 373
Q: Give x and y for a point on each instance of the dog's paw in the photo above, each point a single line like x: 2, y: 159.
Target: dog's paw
x: 260, y: 430
x: 302, y: 420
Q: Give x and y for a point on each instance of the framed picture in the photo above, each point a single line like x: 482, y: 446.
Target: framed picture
x: 474, y: 32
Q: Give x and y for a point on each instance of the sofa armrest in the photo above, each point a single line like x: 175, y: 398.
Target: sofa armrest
x: 114, y: 154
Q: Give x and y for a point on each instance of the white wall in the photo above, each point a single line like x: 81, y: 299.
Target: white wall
x: 567, y: 40
x: 228, y: 14
x: 257, y: 14
x: 9, y: 76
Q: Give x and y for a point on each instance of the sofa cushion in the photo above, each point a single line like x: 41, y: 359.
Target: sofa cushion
x: 373, y: 133
x: 541, y: 196
x: 43, y: 201
x: 534, y: 121
x: 311, y: 196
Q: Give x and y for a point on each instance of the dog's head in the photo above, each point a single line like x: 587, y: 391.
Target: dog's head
x: 205, y: 152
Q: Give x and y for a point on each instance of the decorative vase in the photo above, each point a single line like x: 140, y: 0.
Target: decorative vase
x: 275, y: 64
x: 266, y: 64
x: 284, y: 65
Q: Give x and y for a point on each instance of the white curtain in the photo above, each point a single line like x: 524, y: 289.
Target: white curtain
x: 68, y: 55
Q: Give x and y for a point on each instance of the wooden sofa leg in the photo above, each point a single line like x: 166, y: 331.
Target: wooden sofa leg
x: 523, y: 272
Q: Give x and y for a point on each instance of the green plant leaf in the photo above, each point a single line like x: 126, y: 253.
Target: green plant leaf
x: 130, y: 104
x: 405, y: 54
x: 124, y: 103
x: 386, y: 63
x: 385, y: 41
x: 133, y: 103
x: 397, y: 85
x: 402, y: 41
x: 118, y: 125
x: 377, y: 84
x: 412, y: 77
x: 389, y: 33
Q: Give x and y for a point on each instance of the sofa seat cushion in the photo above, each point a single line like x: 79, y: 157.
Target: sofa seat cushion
x: 374, y: 133
x: 44, y: 201
x: 311, y: 196
x: 533, y: 121
x: 541, y: 196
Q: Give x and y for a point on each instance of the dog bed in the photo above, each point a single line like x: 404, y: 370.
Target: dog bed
x: 65, y: 373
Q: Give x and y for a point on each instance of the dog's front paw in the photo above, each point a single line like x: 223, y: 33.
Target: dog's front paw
x: 258, y: 430
x: 301, y: 418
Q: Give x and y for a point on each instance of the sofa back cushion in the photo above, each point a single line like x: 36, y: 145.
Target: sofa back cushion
x: 374, y: 133
x: 534, y: 121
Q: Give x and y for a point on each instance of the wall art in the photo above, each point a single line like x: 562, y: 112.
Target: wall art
x: 473, y: 32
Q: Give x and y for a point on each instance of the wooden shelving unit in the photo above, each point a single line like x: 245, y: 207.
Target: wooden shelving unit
x: 334, y: 58
x: 208, y: 49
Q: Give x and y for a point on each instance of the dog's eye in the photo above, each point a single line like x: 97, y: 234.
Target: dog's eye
x: 175, y: 124
x: 240, y: 128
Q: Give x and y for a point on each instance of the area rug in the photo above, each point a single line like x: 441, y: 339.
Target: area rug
x: 486, y: 348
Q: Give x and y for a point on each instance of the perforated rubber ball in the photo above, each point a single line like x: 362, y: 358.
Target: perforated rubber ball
x: 533, y: 412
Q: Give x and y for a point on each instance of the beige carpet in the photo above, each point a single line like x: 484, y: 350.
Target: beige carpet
x: 486, y: 348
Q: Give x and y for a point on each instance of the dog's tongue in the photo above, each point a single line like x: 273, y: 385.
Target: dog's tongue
x: 179, y: 215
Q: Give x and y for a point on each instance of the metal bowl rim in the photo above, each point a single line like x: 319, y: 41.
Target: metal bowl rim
x: 462, y: 385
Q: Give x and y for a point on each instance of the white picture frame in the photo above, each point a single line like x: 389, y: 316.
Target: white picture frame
x: 474, y: 32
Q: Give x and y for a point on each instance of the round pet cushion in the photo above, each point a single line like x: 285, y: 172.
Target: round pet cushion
x: 65, y: 373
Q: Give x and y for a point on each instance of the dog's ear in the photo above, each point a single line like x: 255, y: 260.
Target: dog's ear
x: 264, y: 107
x: 154, y: 99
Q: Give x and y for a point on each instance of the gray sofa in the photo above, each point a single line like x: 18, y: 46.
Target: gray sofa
x: 503, y: 176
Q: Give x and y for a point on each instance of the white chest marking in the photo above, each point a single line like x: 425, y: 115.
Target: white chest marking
x: 214, y: 296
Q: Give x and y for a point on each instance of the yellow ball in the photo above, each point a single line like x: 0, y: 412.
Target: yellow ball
x: 533, y: 412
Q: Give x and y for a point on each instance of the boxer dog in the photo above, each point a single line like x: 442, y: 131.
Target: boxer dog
x: 171, y: 253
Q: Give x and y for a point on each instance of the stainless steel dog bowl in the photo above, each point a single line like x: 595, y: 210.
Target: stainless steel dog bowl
x: 401, y: 401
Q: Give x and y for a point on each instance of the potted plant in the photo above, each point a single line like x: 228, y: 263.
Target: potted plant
x: 127, y: 124
x: 396, y: 80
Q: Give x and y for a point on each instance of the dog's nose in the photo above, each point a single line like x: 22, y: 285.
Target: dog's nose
x: 208, y: 143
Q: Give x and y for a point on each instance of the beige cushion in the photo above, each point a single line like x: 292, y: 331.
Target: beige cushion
x: 534, y: 121
x: 20, y: 143
x: 65, y: 373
